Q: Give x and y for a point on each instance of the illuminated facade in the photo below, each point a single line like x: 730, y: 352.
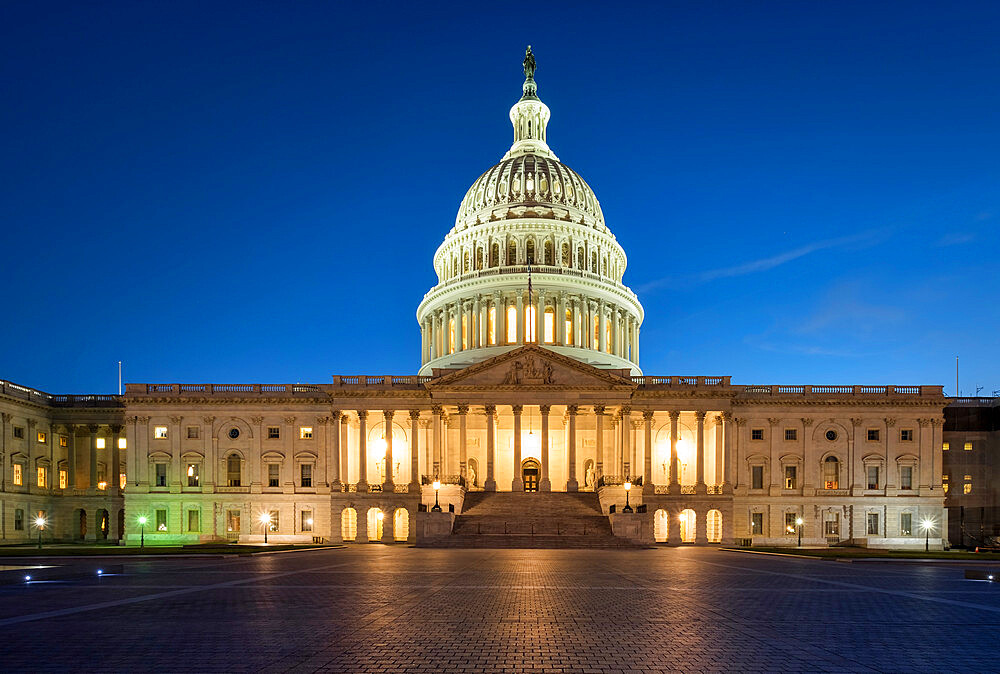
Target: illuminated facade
x: 517, y: 391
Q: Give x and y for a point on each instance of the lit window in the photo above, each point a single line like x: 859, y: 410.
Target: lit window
x: 529, y: 324
x: 569, y: 328
x: 967, y: 488
x: 193, y: 474
x: 756, y: 433
x: 42, y: 437
x: 273, y: 524
x: 491, y: 328
x: 40, y: 478
x: 944, y: 483
x: 906, y: 524
x: 63, y: 442
x: 273, y: 475
x: 273, y: 432
x: 159, y: 432
x: 873, y: 435
x: 756, y: 477
x: 18, y: 475
x: 100, y: 443
x: 233, y: 521
x: 906, y: 477
x: 121, y: 480
x: 791, y: 434
x: 102, y: 485
x: 906, y: 435
x: 193, y: 432
x: 831, y: 473
x: 873, y: 529
x: 790, y: 523
x: 306, y: 474
x: 122, y: 444
x: 550, y: 326
x: 161, y: 520
x: 968, y: 447
x: 831, y: 525
x: 63, y: 479
x: 305, y: 432
x: 511, y: 324
x: 307, y: 520
x: 945, y: 446
x: 791, y: 475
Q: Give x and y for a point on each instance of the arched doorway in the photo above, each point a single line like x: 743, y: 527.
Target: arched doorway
x: 375, y: 517
x: 661, y: 524
x: 714, y: 522
x: 589, y: 476
x: 348, y: 524
x: 400, y: 524
x: 121, y: 523
x: 473, y: 473
x: 104, y: 523
x: 82, y: 520
x: 530, y: 472
x: 688, y: 520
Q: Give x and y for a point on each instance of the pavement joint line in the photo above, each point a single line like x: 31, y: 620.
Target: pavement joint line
x: 149, y: 597
x: 869, y: 588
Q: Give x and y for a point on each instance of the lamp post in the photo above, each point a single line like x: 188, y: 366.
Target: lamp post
x: 40, y: 524
x: 437, y: 506
x: 628, y: 488
x: 265, y: 520
x: 927, y: 525
x: 798, y: 529
x: 142, y: 531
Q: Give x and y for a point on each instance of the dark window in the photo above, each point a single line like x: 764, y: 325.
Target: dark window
x: 873, y: 529
x: 756, y: 477
x: 18, y: 432
x: 161, y: 475
x: 233, y: 470
x: 831, y: 435
x: 906, y: 477
x: 791, y: 481
x: 791, y: 434
x: 873, y: 434
x: 906, y: 435
x: 756, y: 433
x: 273, y: 432
x: 306, y: 474
x: 872, y: 477
x: 18, y: 520
x: 192, y: 431
x: 756, y: 524
x: 273, y: 475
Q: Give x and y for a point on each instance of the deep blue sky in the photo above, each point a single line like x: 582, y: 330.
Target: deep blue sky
x: 252, y: 192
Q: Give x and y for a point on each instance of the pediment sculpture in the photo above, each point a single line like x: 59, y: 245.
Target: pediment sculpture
x: 527, y: 370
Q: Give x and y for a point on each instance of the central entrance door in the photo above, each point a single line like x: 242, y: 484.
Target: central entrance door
x: 529, y: 473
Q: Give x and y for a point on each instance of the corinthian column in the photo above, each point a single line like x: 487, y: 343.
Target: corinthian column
x: 517, y: 484
x: 491, y: 483
x: 414, y: 451
x: 699, y: 484
x: 674, y: 486
x: 388, y: 485
x: 647, y: 471
x: 545, y: 484
x: 571, y: 483
x: 599, y: 412
x: 362, y: 452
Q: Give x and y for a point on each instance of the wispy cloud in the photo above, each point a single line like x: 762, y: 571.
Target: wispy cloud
x: 768, y: 263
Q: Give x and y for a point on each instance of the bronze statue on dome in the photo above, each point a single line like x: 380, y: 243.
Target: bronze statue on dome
x: 529, y: 63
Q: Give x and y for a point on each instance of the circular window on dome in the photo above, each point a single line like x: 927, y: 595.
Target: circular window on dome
x: 831, y: 435
x: 234, y: 433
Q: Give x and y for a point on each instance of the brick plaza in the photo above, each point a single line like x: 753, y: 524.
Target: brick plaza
x: 375, y: 608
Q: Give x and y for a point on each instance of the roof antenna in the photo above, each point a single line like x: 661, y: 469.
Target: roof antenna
x: 119, y: 377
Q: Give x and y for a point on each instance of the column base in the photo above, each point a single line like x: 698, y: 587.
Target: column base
x: 545, y: 484
x: 336, y: 486
x: 415, y: 487
x: 572, y: 485
x: 674, y: 490
x: 648, y: 487
x: 362, y: 486
x: 388, y: 487
x: 517, y: 484
x: 700, y: 488
x: 490, y: 484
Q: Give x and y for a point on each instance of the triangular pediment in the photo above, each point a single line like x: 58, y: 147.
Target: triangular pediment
x: 532, y: 367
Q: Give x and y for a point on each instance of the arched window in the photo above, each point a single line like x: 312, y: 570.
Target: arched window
x: 491, y: 328
x: 494, y: 255
x: 375, y: 519
x: 512, y: 324
x: 565, y: 255
x: 465, y: 262
x: 451, y: 335
x: 348, y: 524
x: 687, y: 521
x: 530, y: 324
x: 604, y: 265
x: 593, y: 262
x: 233, y: 470
x: 831, y: 473
x: 529, y: 252
x: 512, y: 253
x: 569, y: 328
x: 550, y: 325
x: 580, y: 259
x: 479, y: 257
x: 661, y: 526
x: 714, y: 522
x: 549, y: 253
x: 400, y: 524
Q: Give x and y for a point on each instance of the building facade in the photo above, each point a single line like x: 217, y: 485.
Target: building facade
x: 971, y: 478
x: 529, y: 381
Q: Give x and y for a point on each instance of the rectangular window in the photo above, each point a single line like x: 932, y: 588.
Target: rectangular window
x: 159, y: 432
x: 945, y: 446
x: 906, y: 524
x: 42, y: 437
x: 194, y: 474
x: 873, y: 529
x: 63, y: 479
x: 790, y: 525
x: 18, y: 520
x: 873, y: 435
x: 161, y: 520
x: 756, y: 477
x: 101, y: 444
x: 307, y: 520
x: 906, y: 435
x: 161, y: 475
x: 194, y: 520
x: 193, y: 432
x: 273, y: 475
x: 967, y: 488
x: 121, y: 480
x: 831, y: 526
x: 273, y: 526
x: 18, y: 431
x: 233, y: 471
x: 63, y: 442
x: 791, y: 434
x: 40, y: 477
x: 122, y: 443
x: 305, y: 432
x: 791, y: 475
x: 273, y: 432
x: 18, y: 475
x: 757, y: 524
x: 906, y: 477
x: 306, y: 475
x: 872, y: 477
x: 233, y: 521
x: 968, y: 447
x: 756, y: 433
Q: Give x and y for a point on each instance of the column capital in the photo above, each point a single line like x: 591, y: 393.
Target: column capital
x: 322, y: 421
x: 335, y: 415
x: 647, y: 415
x: 674, y: 415
x: 773, y: 421
x: 388, y: 414
x: 889, y: 421
x: 463, y: 408
x: 115, y: 428
x: 700, y: 416
x: 288, y: 420
x: 7, y: 416
x: 490, y: 410
x: 414, y: 414
x: 544, y: 409
x: 176, y: 419
x: 806, y: 421
x: 572, y: 410
x: 362, y: 415
x: 599, y: 409
x: 517, y: 409
x: 718, y: 419
x: 626, y: 410
x: 727, y: 416
x: 437, y: 409
x: 93, y: 428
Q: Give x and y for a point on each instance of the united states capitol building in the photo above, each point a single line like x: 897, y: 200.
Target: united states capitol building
x: 529, y: 421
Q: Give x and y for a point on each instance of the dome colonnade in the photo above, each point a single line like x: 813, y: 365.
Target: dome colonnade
x: 530, y: 260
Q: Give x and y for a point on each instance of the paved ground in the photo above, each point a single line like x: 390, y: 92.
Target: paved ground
x: 370, y: 608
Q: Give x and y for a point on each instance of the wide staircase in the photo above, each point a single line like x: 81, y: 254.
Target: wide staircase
x: 532, y: 520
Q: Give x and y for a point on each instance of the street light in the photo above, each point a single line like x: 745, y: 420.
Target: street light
x: 142, y: 530
x: 265, y: 520
x: 628, y: 488
x: 798, y: 528
x: 40, y: 524
x: 437, y: 506
x: 927, y: 524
